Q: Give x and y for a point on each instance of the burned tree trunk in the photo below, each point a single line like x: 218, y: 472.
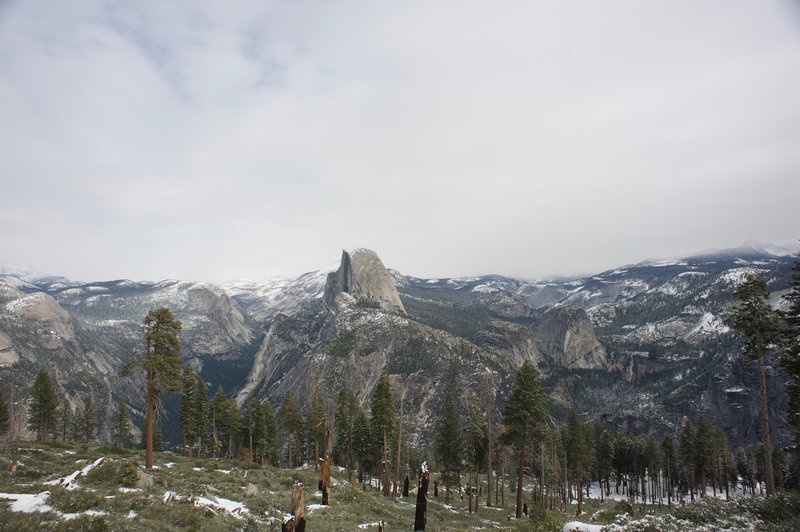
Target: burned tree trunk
x: 421, y: 516
x: 325, y: 470
x: 297, y: 521
x: 405, y: 487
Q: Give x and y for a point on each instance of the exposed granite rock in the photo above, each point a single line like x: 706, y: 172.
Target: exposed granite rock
x: 633, y: 365
x: 363, y: 276
x: 53, y: 325
x: 566, y: 335
x: 7, y: 354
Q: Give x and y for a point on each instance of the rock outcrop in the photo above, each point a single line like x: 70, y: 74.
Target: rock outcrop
x: 566, y: 335
x: 363, y: 276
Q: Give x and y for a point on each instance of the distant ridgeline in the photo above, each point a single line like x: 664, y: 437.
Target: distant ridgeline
x: 640, y: 347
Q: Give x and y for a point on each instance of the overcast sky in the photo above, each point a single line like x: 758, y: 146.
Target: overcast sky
x: 152, y: 139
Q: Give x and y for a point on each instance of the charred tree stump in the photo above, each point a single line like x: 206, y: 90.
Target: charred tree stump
x: 325, y: 470
x: 421, y: 516
x: 326, y: 481
x: 405, y: 487
x: 297, y: 522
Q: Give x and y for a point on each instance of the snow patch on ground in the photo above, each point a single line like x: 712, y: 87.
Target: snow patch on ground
x: 236, y: 509
x: 577, y: 526
x: 28, y: 502
x: 69, y: 517
x: 312, y: 507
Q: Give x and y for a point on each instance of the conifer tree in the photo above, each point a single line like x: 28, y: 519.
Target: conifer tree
x: 293, y: 424
x: 76, y: 425
x: 266, y: 434
x: 686, y: 446
x: 88, y: 421
x: 668, y: 451
x: 231, y: 424
x: 317, y: 422
x: 449, y: 448
x: 219, y: 421
x: 201, y: 408
x: 250, y: 437
x: 44, y: 403
x: 120, y: 425
x: 757, y: 322
x: 346, y: 407
x: 722, y: 458
x: 383, y: 421
x: 188, y: 413
x: 4, y: 415
x: 578, y: 450
x: 476, y: 439
x: 524, y: 418
x: 161, y: 363
x: 654, y: 462
x: 605, y: 456
x: 64, y: 420
x: 363, y: 447
x: 791, y: 360
x: 271, y: 424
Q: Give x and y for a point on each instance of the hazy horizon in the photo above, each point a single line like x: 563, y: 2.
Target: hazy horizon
x: 10, y: 269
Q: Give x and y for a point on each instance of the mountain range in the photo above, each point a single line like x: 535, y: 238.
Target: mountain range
x: 640, y: 346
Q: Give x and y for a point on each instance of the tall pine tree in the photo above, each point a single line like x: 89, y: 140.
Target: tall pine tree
x: 44, y: 403
x: 293, y: 426
x: 757, y: 323
x: 88, y: 422
x: 791, y: 362
x: 200, y: 413
x: 121, y: 425
x: 161, y: 363
x: 317, y: 422
x: 64, y: 416
x: 578, y: 450
x: 448, y: 446
x: 346, y: 408
x: 524, y: 418
x: 188, y: 414
x: 383, y: 422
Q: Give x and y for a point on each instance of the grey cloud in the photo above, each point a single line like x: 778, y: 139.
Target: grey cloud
x: 455, y: 138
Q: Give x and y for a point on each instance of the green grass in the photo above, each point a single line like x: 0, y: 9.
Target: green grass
x: 145, y: 509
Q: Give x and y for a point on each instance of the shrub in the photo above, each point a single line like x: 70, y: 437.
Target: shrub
x: 784, y: 506
x: 116, y: 472
x: 73, y: 501
x: 82, y: 523
x: 540, y: 521
x: 608, y: 515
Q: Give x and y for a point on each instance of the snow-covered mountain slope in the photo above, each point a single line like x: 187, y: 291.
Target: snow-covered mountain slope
x: 263, y: 300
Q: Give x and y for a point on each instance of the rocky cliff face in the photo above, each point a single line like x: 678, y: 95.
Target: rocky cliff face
x: 363, y: 276
x: 566, y: 335
x: 36, y: 332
